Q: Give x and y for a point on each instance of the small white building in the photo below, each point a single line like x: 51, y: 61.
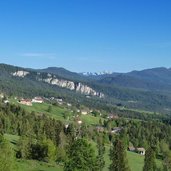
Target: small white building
x: 6, y: 101
x: 1, y: 96
x: 59, y: 100
x: 141, y: 151
x: 79, y: 122
x: 116, y: 130
x: 84, y: 111
x: 69, y: 104
x: 26, y: 102
x: 37, y: 100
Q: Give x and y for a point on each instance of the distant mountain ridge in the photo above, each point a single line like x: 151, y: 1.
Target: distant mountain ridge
x: 96, y: 73
x: 147, y: 89
x: 149, y: 79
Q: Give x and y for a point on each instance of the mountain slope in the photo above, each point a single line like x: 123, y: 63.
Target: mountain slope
x: 147, y: 89
x: 27, y: 78
x: 63, y: 73
x: 157, y: 79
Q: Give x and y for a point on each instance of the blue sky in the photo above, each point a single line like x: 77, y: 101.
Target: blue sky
x: 86, y: 35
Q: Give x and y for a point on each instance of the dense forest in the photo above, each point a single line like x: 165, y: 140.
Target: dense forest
x: 44, y: 138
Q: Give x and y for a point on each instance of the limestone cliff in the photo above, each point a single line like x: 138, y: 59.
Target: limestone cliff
x: 53, y: 80
x: 79, y: 87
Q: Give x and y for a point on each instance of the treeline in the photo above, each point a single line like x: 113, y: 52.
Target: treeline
x: 46, y: 139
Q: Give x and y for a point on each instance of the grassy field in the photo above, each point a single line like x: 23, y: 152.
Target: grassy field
x: 91, y: 120
x: 136, y: 161
x: 57, y: 112
x: 32, y: 165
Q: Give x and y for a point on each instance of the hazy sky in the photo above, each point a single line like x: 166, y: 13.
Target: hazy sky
x: 86, y: 35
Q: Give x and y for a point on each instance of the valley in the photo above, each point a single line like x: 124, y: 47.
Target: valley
x: 42, y: 116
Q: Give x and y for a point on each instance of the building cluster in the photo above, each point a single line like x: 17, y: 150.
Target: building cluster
x: 29, y: 102
x: 139, y: 150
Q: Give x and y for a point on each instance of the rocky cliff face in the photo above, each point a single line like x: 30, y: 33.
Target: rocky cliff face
x: 87, y: 90
x: 51, y: 79
x: 79, y: 87
x: 20, y: 73
x: 61, y: 83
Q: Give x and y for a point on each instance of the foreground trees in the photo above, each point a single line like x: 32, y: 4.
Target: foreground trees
x: 7, y: 160
x: 100, y: 157
x: 81, y: 157
x: 118, y: 157
x: 149, y: 161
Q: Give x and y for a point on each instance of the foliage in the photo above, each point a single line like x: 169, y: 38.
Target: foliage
x: 7, y: 160
x: 149, y: 161
x: 81, y: 157
x: 118, y: 157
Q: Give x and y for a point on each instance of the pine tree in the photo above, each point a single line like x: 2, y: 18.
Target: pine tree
x: 118, y: 157
x: 100, y: 157
x: 149, y: 161
x: 81, y: 157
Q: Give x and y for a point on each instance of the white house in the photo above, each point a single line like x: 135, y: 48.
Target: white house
x: 1, y: 95
x: 79, y: 122
x: 6, y: 101
x: 84, y: 112
x: 37, y: 100
x: 27, y: 102
x: 141, y: 151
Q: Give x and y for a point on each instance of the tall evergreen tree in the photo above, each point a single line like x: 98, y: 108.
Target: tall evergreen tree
x: 81, y: 157
x: 101, y: 151
x: 149, y: 161
x: 118, y: 157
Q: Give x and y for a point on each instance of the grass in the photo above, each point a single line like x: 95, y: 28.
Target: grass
x: 13, y: 139
x: 56, y: 112
x: 91, y: 120
x: 32, y: 165
x: 135, y: 161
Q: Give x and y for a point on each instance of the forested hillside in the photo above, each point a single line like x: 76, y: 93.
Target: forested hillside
x: 52, y: 139
x: 148, y: 89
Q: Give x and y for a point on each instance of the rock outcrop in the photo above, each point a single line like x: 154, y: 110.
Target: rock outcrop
x: 78, y: 87
x: 71, y: 85
x: 20, y: 73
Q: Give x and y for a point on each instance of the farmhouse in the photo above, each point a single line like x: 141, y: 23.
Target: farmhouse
x: 131, y: 148
x: 27, y: 102
x: 69, y: 104
x: 59, y: 100
x: 37, y: 100
x: 84, y: 112
x: 116, y: 130
x: 79, y: 122
x: 6, y: 101
x: 141, y: 151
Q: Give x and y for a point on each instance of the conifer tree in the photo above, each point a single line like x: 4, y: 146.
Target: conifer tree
x: 101, y: 151
x: 149, y: 161
x: 81, y: 157
x: 118, y: 157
